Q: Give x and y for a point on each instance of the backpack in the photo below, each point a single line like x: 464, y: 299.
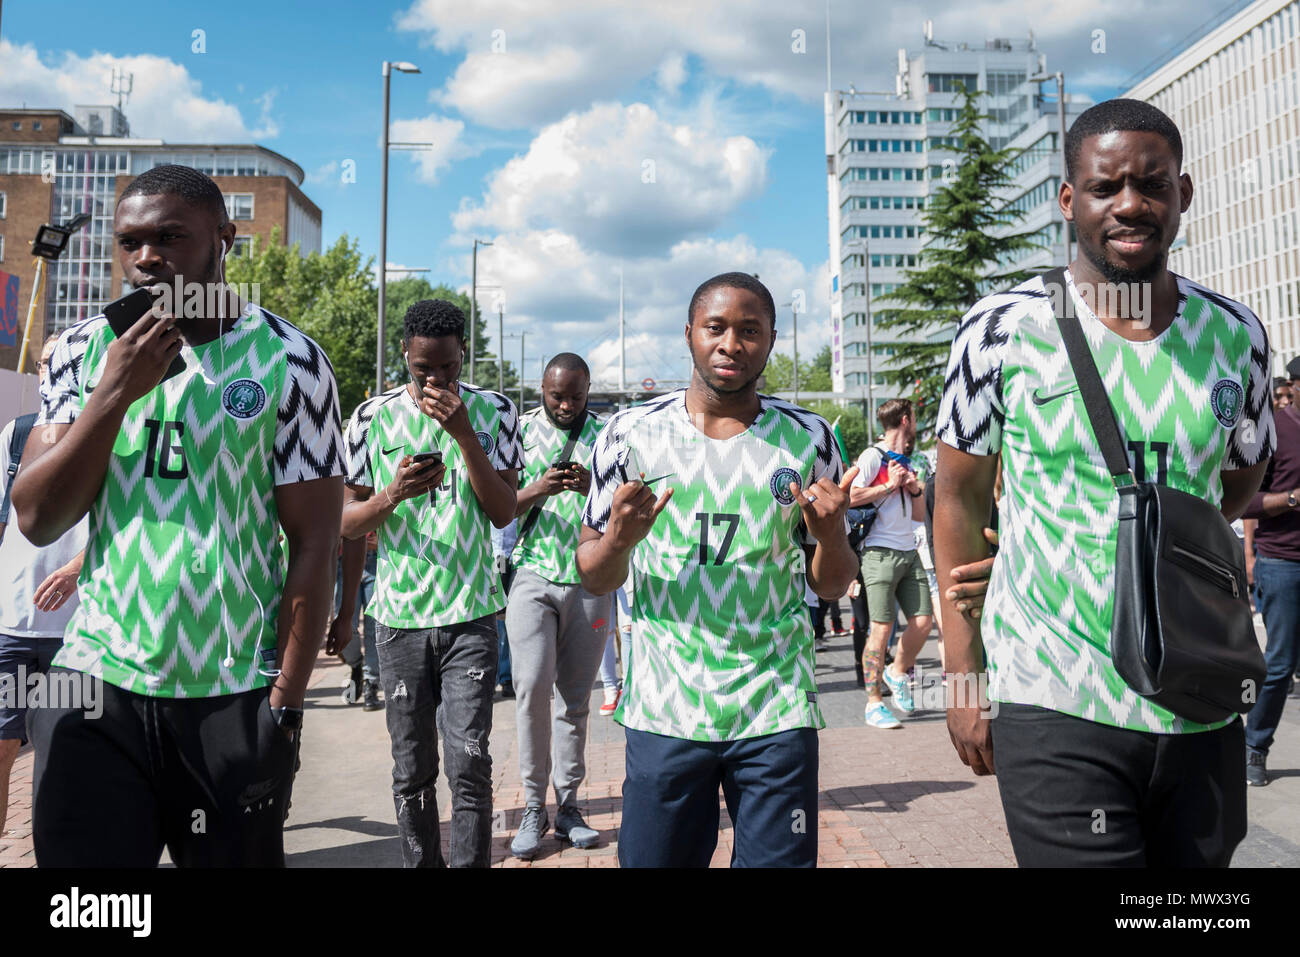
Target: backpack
x: 17, y: 442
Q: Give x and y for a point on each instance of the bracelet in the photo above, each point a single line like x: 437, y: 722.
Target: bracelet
x: 389, y: 496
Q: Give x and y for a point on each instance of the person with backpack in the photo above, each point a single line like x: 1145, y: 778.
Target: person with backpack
x: 38, y: 594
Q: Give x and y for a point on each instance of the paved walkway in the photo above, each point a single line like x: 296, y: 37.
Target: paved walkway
x: 888, y: 798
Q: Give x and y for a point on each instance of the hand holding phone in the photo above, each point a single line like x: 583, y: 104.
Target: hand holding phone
x: 147, y: 348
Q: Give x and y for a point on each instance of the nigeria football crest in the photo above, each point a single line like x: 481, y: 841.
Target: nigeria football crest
x: 1226, y: 400
x: 243, y: 398
x: 780, y: 485
x: 485, y: 440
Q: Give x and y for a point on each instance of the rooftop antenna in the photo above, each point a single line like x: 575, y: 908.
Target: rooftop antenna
x: 121, y: 84
x: 828, y: 46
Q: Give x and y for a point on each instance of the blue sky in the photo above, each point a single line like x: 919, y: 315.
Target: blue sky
x: 544, y: 117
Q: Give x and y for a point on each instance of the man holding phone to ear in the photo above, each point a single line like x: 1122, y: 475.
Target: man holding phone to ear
x: 430, y: 464
x: 191, y: 640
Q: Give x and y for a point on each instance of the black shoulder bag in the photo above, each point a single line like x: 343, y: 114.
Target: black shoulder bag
x: 575, y: 430
x: 1182, y: 634
x: 17, y: 442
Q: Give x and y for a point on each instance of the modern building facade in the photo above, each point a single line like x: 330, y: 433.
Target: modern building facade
x: 54, y: 166
x: 1235, y: 95
x: 884, y: 160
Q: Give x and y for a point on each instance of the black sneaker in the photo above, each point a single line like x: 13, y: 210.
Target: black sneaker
x: 1256, y: 771
x: 371, y: 696
x: 507, y: 689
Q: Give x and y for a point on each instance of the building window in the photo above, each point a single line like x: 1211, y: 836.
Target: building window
x: 2, y: 205
x: 36, y: 125
x: 2, y: 249
x: 18, y: 124
x: 947, y: 82
x: 239, y: 205
x: 243, y: 246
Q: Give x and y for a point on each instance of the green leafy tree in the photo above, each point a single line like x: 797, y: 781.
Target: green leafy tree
x: 967, y: 238
x: 330, y: 296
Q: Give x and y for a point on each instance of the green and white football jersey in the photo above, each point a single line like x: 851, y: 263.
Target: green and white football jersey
x: 435, y: 563
x: 550, y: 548
x: 1192, y: 402
x: 182, y: 565
x: 722, y: 641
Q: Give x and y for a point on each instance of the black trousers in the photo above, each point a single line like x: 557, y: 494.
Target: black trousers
x: 209, y: 778
x: 1081, y: 794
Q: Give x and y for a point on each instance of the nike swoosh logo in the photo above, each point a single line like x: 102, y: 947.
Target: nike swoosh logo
x: 529, y: 448
x: 395, y: 448
x: 653, y: 480
x: 1040, y: 399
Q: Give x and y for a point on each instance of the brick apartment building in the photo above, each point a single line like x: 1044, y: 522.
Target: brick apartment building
x: 54, y: 166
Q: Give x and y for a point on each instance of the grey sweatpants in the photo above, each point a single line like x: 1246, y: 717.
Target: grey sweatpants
x: 557, y: 634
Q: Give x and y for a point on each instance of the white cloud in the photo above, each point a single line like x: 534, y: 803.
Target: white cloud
x: 567, y: 296
x: 671, y: 73
x: 443, y: 136
x: 621, y: 179
x: 166, y: 101
x: 324, y: 173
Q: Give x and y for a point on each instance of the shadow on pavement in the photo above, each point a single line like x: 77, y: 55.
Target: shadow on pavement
x: 885, y: 797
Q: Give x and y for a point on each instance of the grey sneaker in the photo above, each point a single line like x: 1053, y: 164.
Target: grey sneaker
x: 569, y: 826
x: 531, y: 828
x: 1256, y: 771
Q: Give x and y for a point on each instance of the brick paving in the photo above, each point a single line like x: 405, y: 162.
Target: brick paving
x: 888, y: 798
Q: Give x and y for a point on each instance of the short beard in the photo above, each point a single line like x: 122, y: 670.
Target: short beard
x: 1118, y: 275
x: 717, y: 389
x: 556, y: 422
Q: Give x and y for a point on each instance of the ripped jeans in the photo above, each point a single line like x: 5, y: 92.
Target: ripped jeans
x: 447, y: 673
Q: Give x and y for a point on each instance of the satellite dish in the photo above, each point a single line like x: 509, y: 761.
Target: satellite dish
x: 929, y: 30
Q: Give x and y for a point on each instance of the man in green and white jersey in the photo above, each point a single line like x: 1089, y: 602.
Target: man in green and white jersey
x: 557, y: 628
x: 195, y: 644
x: 430, y: 464
x: 720, y: 691
x: 1091, y: 773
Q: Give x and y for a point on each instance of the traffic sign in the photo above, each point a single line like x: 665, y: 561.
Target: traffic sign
x: 647, y: 383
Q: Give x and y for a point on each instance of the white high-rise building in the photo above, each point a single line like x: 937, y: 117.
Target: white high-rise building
x: 1235, y: 96
x: 883, y: 163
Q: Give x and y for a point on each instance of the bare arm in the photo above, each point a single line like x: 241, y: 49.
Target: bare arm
x: 64, y: 466
x: 603, y: 558
x: 963, y: 497
x: 310, y: 514
x: 550, y: 482
x: 833, y: 564
x: 1240, y: 486
x: 364, y: 511
x: 354, y: 561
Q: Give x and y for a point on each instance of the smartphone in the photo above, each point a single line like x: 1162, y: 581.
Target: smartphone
x: 124, y: 313
x: 419, y: 458
x: 565, y: 466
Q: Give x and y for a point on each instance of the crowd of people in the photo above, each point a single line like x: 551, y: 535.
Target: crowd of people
x: 698, y: 538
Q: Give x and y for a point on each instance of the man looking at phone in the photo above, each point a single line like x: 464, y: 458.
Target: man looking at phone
x: 891, y: 566
x: 430, y: 464
x: 724, y: 502
x: 557, y: 628
x: 198, y: 649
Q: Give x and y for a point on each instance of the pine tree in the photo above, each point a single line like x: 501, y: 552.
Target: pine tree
x: 967, y: 237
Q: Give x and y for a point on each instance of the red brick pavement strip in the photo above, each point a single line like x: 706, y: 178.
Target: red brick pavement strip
x: 888, y: 799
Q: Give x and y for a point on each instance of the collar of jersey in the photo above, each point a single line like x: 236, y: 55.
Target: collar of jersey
x: 763, y: 405
x: 1088, y: 317
x: 251, y: 314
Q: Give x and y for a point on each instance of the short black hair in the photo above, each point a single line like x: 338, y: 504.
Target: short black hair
x: 568, y: 362
x: 733, y: 280
x: 183, y: 181
x: 1115, y: 116
x: 1281, y: 382
x: 432, y: 319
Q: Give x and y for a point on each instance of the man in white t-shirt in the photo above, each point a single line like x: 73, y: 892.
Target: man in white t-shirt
x: 38, y: 594
x: 891, y: 567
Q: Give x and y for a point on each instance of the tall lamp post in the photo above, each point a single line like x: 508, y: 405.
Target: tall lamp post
x: 1060, y: 116
x: 794, y: 315
x: 401, y: 67
x: 473, y: 309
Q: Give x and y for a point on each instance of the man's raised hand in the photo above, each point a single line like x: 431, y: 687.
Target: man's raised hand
x: 824, y: 504
x: 633, y: 513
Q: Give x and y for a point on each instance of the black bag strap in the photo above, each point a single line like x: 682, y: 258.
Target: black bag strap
x: 535, y: 512
x: 17, y: 442
x: 1101, y: 414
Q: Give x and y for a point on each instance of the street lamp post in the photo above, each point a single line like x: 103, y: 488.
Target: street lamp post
x: 1060, y: 116
x: 501, y: 361
x: 473, y: 309
x: 794, y: 315
x: 401, y: 67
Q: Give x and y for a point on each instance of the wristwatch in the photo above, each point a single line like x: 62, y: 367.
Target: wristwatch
x: 288, y: 719
x: 1290, y: 499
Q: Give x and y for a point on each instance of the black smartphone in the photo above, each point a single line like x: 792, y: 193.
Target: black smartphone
x: 565, y: 466
x: 124, y: 313
x: 419, y: 458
